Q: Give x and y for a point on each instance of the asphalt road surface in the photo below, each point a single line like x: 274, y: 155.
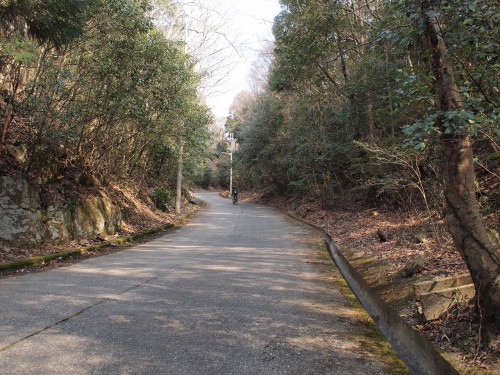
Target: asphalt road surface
x: 230, y: 293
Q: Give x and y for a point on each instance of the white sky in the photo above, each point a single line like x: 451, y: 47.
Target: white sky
x: 252, y: 25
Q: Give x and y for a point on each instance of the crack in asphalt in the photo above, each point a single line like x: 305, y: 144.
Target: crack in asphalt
x: 10, y: 346
x: 68, y: 318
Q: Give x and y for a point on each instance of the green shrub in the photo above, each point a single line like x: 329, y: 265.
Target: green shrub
x: 163, y: 199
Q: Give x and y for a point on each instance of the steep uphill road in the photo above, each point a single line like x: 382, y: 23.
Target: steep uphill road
x: 232, y: 292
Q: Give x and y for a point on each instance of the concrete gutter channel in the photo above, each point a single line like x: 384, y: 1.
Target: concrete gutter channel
x: 418, y: 354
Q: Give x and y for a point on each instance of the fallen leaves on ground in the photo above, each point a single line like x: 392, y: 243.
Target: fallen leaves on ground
x: 358, y: 232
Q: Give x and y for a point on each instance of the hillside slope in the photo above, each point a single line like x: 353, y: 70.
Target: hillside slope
x: 379, y: 243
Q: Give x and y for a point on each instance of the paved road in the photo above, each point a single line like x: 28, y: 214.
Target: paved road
x: 230, y: 293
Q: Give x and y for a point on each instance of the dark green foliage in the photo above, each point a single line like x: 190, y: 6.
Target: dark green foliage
x: 115, y: 98
x: 55, y: 22
x: 259, y: 155
x: 163, y: 199
x: 356, y: 71
x: 206, y: 180
x: 223, y: 173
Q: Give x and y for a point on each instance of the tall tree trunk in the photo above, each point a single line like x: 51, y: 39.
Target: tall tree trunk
x: 342, y: 58
x: 178, y: 196
x: 370, y: 122
x: 14, y: 85
x: 463, y: 220
x: 363, y: 38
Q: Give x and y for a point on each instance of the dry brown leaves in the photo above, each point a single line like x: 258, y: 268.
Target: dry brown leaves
x: 356, y: 228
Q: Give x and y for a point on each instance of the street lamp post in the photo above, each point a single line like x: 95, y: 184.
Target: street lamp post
x: 230, y: 139
x: 230, y: 170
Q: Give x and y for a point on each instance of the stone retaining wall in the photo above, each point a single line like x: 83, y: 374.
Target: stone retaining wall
x: 23, y: 222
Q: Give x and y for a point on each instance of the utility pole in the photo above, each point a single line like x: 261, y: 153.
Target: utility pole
x: 231, y: 139
x: 230, y: 153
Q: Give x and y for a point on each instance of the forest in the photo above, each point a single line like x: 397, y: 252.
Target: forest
x: 394, y: 103
x: 388, y: 103
x: 94, y: 93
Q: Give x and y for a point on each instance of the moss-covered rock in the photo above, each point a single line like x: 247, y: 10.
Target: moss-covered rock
x: 24, y: 222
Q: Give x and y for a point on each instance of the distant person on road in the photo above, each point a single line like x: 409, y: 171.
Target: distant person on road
x: 234, y: 194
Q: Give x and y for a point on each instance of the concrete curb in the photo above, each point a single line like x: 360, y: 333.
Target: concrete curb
x: 418, y: 354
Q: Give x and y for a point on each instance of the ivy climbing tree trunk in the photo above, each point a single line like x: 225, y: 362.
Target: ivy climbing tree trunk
x: 463, y: 220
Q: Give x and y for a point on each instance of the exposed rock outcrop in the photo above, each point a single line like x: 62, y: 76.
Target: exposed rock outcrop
x: 23, y: 222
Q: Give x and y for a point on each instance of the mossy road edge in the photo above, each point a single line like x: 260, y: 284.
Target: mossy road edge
x: 121, y: 241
